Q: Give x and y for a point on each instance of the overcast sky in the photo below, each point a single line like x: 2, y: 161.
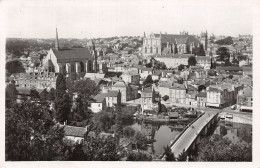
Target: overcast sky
x: 91, y: 19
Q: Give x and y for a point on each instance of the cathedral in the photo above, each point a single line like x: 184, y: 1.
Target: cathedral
x: 165, y: 44
x: 74, y: 62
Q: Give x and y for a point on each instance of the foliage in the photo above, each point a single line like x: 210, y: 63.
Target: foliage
x: 159, y: 107
x: 119, y: 124
x: 31, y: 134
x: 169, y: 156
x: 220, y: 149
x: 44, y: 95
x: 141, y: 140
x: 226, y: 41
x: 34, y: 94
x: 165, y: 97
x: 14, y: 66
x: 148, y: 65
x: 103, y: 120
x: 181, y: 67
x: 63, y: 106
x: 128, y: 132
x: 148, y: 80
x: 60, y: 86
x: 182, y: 156
x: 51, y: 94
x: 192, y: 61
x: 175, y: 49
x: 138, y: 156
x: 223, y: 54
x: 112, y: 74
x: 10, y: 94
x: 95, y: 149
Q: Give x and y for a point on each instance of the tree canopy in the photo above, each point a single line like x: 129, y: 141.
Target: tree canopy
x: 223, y: 54
x: 181, y: 67
x: 192, y: 61
x: 226, y: 41
x: 14, y: 66
x: 31, y: 134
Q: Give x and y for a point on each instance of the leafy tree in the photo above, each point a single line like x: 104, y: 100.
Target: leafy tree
x: 10, y: 94
x: 34, y: 94
x: 51, y: 94
x: 63, y: 106
x: 140, y: 140
x: 169, y: 156
x: 60, y: 86
x: 159, y: 107
x: 226, y: 41
x: 181, y: 67
x: 138, y: 156
x: 148, y: 65
x: 119, y: 124
x: 148, y: 80
x: 223, y: 54
x: 103, y: 120
x: 14, y: 66
x: 44, y: 95
x: 31, y: 134
x: 165, y: 97
x: 199, y: 50
x: 128, y: 132
x: 182, y: 156
x: 220, y: 149
x: 192, y: 61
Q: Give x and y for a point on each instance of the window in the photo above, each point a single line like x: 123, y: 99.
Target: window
x: 151, y: 50
x: 145, y: 49
x: 156, y: 50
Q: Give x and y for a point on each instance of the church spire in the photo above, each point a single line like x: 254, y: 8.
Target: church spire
x: 144, y: 34
x: 57, y: 40
x: 206, y: 41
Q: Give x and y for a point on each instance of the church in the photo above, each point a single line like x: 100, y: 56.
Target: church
x: 165, y: 44
x: 74, y: 62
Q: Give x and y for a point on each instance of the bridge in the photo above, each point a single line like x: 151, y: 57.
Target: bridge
x: 190, y: 136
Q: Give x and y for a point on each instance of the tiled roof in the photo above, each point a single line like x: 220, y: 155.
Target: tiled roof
x: 112, y: 93
x: 181, y: 40
x: 100, y: 97
x: 229, y: 68
x: 178, y: 86
x: 74, y: 131
x: 205, y: 58
x: 119, y: 84
x: 202, y: 94
x: 212, y: 89
x: 73, y: 53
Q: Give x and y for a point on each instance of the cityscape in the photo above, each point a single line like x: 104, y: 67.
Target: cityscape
x: 162, y: 96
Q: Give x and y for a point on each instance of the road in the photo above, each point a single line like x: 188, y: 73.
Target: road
x: 188, y: 137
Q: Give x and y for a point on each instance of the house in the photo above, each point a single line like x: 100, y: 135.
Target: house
x: 202, y: 99
x: 177, y: 93
x: 173, y: 61
x: 191, y: 95
x: 131, y: 78
x: 144, y: 72
x: 204, y: 61
x: 128, y: 92
x: 93, y: 76
x: 22, y: 94
x: 245, y: 99
x: 75, y: 134
x: 100, y: 102
x: 147, y: 98
x: 112, y: 98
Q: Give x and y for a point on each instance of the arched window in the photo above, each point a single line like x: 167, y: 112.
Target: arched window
x: 151, y: 50
x: 81, y: 67
x: 156, y: 50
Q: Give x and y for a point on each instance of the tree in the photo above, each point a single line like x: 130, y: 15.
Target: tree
x: 223, y: 54
x: 169, y: 156
x: 192, y: 61
x: 159, y: 107
x: 140, y: 140
x: 44, y: 95
x: 103, y: 120
x: 31, y: 134
x: 138, y: 156
x: 218, y: 148
x: 201, y: 51
x: 51, y: 94
x: 14, y: 66
x: 128, y: 132
x: 34, y: 94
x: 119, y: 124
x: 165, y: 97
x: 63, y: 106
x: 226, y: 41
x: 182, y: 156
x: 181, y: 67
x: 60, y: 86
x: 10, y: 95
x: 148, y: 65
x: 148, y: 80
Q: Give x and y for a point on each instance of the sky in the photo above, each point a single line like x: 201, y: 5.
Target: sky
x: 100, y: 18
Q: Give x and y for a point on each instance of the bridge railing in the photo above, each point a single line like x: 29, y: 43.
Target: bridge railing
x: 183, y: 132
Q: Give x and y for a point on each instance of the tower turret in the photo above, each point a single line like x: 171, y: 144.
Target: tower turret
x: 57, y: 41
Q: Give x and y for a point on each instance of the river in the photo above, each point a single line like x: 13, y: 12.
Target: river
x: 163, y: 134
